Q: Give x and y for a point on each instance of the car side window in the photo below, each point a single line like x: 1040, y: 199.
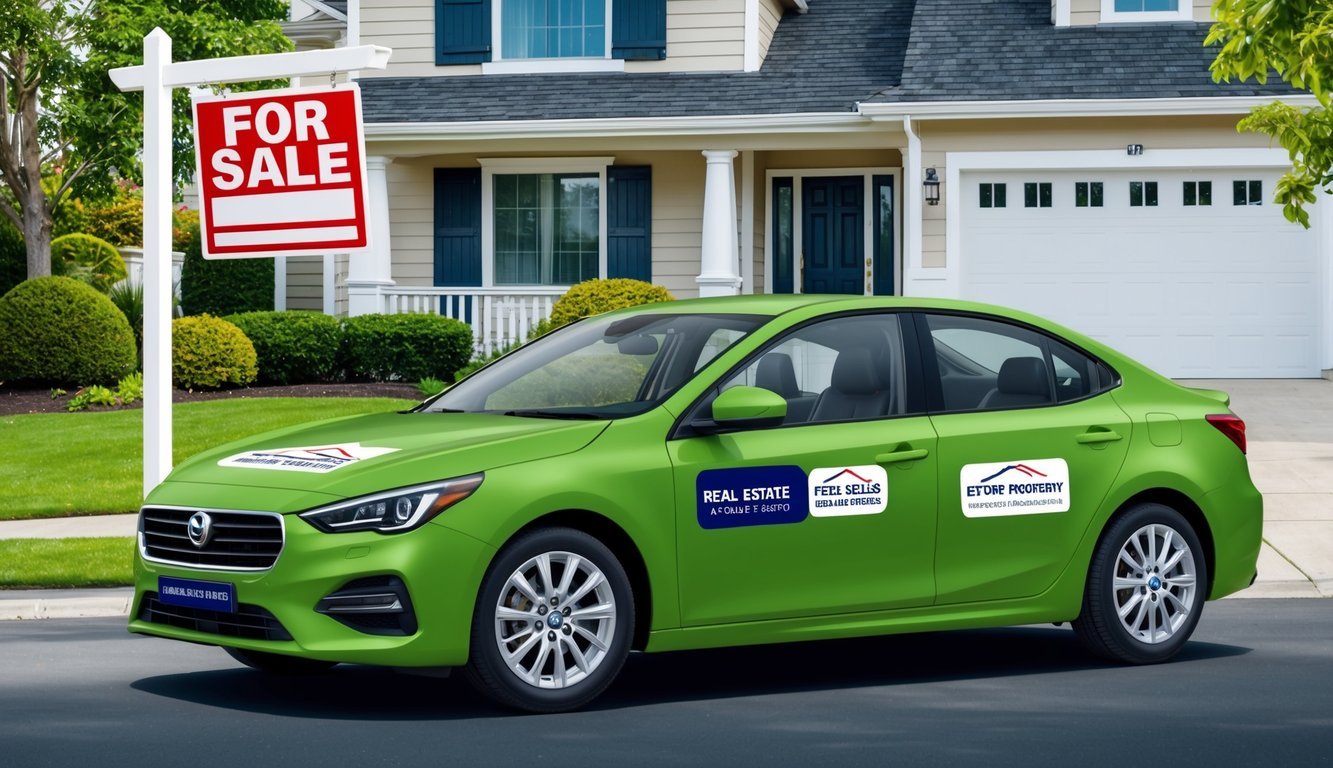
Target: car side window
x: 991, y: 365
x: 843, y: 369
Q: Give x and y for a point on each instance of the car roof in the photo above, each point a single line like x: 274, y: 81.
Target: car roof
x: 777, y: 304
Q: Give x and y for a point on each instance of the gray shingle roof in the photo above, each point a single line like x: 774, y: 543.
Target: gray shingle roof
x: 841, y: 52
x: 337, y: 5
x: 848, y: 51
x: 991, y: 50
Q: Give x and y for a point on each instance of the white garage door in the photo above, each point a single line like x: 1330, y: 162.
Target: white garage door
x: 1217, y: 287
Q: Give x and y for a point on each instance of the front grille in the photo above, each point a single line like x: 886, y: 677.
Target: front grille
x: 239, y: 541
x: 250, y: 622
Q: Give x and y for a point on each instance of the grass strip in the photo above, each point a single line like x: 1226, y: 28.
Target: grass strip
x: 49, y: 563
x: 62, y: 464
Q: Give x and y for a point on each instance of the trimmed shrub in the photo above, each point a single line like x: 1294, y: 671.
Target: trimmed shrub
x: 293, y: 347
x: 210, y: 353
x: 224, y: 286
x: 405, y: 347
x: 593, y: 297
x: 55, y: 330
x: 88, y: 259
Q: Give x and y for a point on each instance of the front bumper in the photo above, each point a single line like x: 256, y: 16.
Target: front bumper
x: 441, y: 569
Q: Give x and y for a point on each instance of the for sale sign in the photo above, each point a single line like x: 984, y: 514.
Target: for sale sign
x: 281, y: 173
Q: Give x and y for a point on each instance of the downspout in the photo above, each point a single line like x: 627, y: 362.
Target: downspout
x: 912, y: 216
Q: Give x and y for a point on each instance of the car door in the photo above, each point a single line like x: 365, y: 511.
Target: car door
x: 1030, y: 443
x: 831, y: 512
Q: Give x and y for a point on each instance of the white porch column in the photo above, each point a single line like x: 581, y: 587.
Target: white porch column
x: 720, y: 253
x: 370, y: 272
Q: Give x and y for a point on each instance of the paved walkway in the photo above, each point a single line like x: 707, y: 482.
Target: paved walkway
x: 1289, y: 426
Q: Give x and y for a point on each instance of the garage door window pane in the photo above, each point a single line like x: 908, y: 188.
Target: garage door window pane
x: 1142, y: 194
x: 1249, y: 192
x: 1088, y: 194
x: 1037, y: 195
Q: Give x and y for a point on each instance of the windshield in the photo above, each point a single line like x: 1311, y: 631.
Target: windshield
x: 601, y: 368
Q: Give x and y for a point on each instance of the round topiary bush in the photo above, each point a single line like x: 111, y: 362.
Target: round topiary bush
x: 593, y: 297
x: 405, y: 347
x: 56, y: 330
x: 210, y: 353
x: 293, y: 347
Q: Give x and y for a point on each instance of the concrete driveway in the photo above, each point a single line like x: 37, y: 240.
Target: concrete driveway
x: 1289, y: 426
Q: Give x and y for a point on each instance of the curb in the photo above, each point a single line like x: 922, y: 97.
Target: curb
x: 35, y: 604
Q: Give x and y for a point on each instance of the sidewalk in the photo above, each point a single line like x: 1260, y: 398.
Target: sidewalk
x: 1290, y: 431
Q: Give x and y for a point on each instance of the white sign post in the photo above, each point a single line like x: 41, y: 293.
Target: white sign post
x: 157, y: 77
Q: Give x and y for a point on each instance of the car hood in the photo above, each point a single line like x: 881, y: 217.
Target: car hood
x: 364, y: 454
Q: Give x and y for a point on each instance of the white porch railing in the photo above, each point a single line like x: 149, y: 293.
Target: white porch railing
x: 498, y: 316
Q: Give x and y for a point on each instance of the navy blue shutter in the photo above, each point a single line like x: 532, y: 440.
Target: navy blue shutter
x: 638, y: 30
x: 457, y: 235
x: 629, y: 222
x: 462, y: 31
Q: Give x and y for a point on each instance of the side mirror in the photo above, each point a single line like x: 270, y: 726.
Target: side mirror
x: 749, y: 408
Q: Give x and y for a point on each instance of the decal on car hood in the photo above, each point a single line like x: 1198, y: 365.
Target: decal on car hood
x: 314, y: 458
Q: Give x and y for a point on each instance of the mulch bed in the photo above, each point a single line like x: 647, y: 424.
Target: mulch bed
x: 20, y: 401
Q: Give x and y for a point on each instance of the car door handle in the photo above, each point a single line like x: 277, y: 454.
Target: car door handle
x: 897, y: 456
x: 1093, y: 438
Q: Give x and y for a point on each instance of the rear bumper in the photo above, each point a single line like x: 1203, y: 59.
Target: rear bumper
x: 1235, y: 515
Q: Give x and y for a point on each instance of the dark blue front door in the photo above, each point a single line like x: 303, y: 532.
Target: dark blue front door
x: 833, y: 225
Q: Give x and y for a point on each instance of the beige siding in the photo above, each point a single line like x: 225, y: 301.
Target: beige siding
x: 770, y: 13
x: 1083, y: 12
x: 702, y: 35
x: 411, y: 212
x: 1203, y: 10
x: 678, y: 210
x: 305, y: 282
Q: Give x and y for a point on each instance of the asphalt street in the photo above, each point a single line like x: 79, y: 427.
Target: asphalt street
x: 1255, y: 686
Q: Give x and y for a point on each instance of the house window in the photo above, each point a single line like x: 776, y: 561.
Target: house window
x: 1037, y: 195
x: 1198, y: 193
x: 553, y: 29
x: 1140, y: 6
x: 1247, y: 192
x: 546, y: 228
x: 993, y: 196
x: 1143, y: 194
x: 1088, y: 194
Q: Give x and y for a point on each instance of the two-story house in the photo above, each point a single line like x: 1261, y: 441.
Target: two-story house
x: 1069, y: 157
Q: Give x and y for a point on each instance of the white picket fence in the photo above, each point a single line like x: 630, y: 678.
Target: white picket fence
x: 498, y: 316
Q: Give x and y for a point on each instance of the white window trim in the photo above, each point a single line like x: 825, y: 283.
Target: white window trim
x: 512, y: 165
x: 798, y: 232
x: 1184, y: 12
x: 498, y: 65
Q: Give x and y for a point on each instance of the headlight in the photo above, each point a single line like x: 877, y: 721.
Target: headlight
x: 393, y: 511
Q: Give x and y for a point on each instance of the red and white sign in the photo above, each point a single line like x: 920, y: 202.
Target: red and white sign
x: 281, y: 173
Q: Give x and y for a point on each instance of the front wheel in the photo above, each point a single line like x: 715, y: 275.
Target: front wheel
x: 1146, y: 587
x: 553, y: 622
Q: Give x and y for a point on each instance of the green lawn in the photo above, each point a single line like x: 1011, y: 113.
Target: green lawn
x: 60, y: 464
x: 27, y: 563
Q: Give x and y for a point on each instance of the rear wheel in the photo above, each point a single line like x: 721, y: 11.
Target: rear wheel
x: 278, y: 664
x: 1146, y: 587
x: 553, y: 622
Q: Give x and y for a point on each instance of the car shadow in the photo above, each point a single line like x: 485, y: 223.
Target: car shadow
x: 376, y: 694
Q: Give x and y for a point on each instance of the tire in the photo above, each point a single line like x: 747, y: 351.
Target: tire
x: 1146, y: 587
x: 279, y: 664
x: 522, y: 655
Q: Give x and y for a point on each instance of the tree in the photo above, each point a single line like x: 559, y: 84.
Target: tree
x: 68, y: 129
x: 1293, y: 38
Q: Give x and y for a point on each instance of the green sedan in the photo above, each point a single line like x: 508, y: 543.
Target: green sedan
x: 709, y: 473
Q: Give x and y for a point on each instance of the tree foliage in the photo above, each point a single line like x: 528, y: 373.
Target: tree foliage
x: 70, y: 130
x: 1293, y: 38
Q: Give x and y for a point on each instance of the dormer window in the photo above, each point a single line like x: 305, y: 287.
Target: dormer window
x: 553, y: 29
x: 1147, y: 10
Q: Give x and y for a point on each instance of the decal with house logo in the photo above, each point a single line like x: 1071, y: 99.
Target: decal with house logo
x: 1029, y: 487
x: 315, y: 458
x: 841, y: 491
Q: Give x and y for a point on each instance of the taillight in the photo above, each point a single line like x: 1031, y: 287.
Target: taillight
x: 1230, y: 425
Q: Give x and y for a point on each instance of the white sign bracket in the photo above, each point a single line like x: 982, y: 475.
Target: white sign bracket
x: 157, y: 77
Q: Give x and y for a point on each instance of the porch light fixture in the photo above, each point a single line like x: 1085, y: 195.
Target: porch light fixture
x: 931, y: 186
